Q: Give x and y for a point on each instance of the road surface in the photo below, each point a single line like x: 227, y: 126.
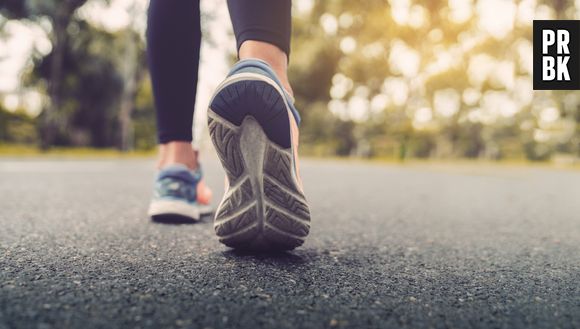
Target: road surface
x: 390, y: 247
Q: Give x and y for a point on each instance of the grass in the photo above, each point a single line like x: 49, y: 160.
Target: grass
x: 30, y: 151
x: 24, y: 151
x: 442, y: 163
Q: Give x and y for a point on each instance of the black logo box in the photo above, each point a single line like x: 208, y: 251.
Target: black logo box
x: 573, y: 27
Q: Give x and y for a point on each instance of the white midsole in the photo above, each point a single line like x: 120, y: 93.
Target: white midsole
x: 173, y: 207
x: 205, y: 209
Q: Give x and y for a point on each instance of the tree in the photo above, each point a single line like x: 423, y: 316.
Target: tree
x: 60, y: 14
x: 100, y: 81
x: 414, y: 50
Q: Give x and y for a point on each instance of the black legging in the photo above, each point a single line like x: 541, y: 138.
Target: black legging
x: 173, y: 42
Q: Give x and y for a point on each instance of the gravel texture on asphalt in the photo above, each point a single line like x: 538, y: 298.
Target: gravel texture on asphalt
x: 391, y: 247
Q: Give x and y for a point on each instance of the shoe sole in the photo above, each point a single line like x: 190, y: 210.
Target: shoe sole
x: 170, y: 211
x: 263, y: 207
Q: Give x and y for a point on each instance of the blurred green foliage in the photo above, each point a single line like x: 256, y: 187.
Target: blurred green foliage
x: 17, y: 127
x: 322, y: 60
x: 367, y: 84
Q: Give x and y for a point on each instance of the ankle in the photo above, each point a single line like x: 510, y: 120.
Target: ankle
x: 177, y: 152
x: 274, y: 56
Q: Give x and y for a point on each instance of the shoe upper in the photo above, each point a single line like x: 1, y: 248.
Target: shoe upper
x: 261, y: 67
x: 177, y: 182
x: 270, y: 113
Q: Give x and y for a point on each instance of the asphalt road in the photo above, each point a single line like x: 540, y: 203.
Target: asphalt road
x: 390, y: 247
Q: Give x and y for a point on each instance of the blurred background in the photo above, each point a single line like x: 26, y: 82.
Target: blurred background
x: 393, y: 80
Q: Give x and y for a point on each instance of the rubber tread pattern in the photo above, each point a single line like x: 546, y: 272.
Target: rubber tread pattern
x: 239, y: 225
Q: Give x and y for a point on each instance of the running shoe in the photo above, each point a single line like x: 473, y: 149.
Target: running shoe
x: 253, y: 125
x: 180, y: 195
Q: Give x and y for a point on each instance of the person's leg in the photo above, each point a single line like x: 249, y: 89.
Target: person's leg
x: 173, y: 46
x: 263, y: 29
x: 272, y: 55
x: 254, y: 128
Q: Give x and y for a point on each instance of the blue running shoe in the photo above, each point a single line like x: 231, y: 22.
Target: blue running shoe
x: 253, y: 125
x: 179, y: 196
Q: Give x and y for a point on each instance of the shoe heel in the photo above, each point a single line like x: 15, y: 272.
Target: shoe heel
x: 256, y: 98
x: 262, y: 209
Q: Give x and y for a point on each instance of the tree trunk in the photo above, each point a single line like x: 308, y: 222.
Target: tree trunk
x: 131, y: 76
x: 49, y: 119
